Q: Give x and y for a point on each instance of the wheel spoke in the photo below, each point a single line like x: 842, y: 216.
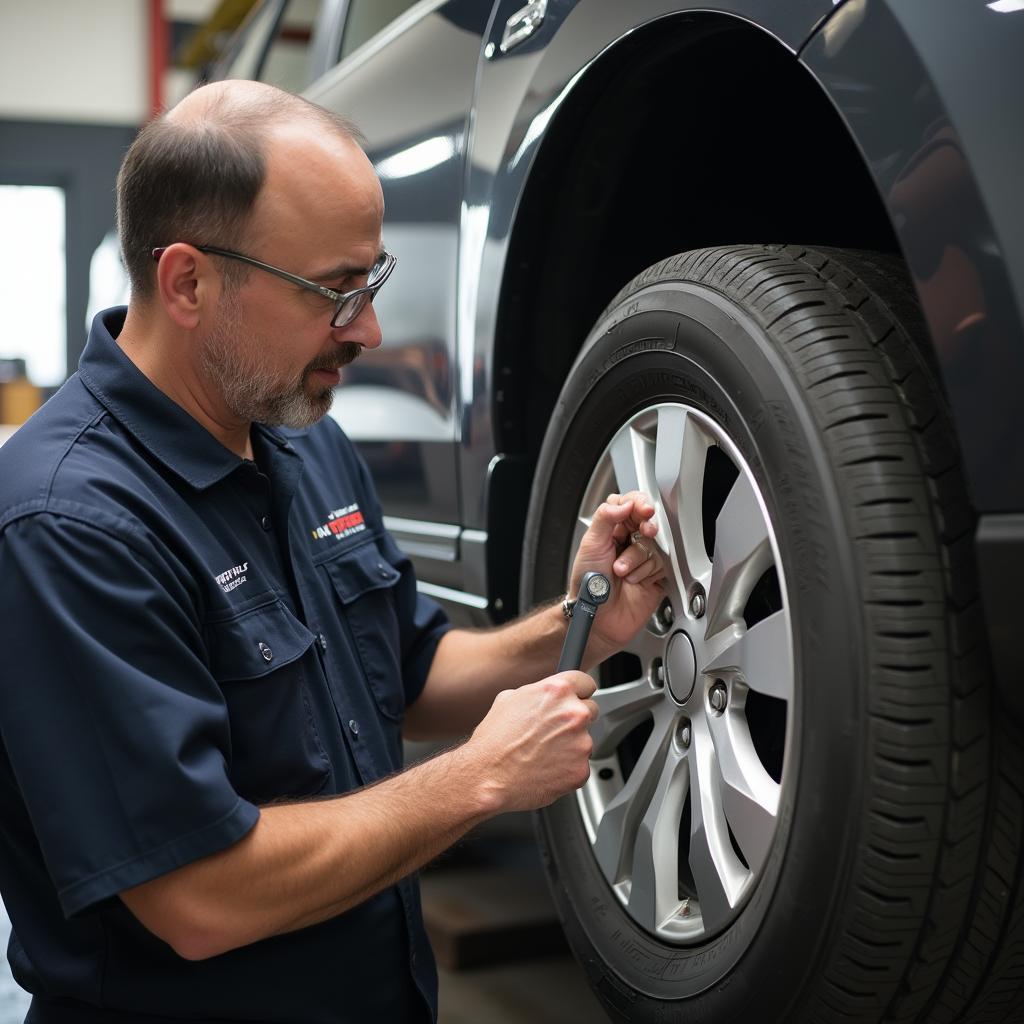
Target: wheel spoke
x: 628, y: 452
x: 679, y: 457
x: 717, y: 872
x: 750, y: 796
x: 646, y: 646
x: 742, y: 554
x: 654, y: 892
x: 616, y: 833
x: 762, y: 656
x: 622, y: 709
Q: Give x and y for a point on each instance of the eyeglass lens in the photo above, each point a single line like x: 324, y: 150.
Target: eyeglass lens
x: 349, y: 308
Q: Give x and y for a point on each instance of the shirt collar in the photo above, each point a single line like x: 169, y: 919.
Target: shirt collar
x: 159, y: 424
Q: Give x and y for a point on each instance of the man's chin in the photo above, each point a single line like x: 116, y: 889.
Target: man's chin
x: 297, y: 416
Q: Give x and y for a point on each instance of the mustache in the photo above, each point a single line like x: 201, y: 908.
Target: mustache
x: 347, y: 352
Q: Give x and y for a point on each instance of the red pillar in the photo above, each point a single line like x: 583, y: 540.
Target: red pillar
x: 159, y: 44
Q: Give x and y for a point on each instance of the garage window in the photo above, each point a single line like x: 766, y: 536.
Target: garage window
x: 368, y: 17
x: 288, y: 61
x: 33, y: 325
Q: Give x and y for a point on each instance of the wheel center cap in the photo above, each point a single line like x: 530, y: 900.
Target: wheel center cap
x: 680, y: 667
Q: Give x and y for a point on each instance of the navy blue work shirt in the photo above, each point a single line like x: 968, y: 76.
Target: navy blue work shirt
x: 188, y: 635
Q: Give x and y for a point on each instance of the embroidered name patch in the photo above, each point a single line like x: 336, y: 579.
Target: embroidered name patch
x: 232, y: 578
x: 341, y: 523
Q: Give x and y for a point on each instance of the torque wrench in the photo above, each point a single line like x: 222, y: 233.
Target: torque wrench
x: 594, y: 591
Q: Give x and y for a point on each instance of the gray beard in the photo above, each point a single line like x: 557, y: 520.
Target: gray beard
x: 239, y: 370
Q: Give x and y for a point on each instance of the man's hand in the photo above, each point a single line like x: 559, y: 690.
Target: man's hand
x: 634, y: 567
x: 533, y: 746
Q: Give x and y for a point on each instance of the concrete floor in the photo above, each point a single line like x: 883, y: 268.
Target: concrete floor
x: 548, y: 991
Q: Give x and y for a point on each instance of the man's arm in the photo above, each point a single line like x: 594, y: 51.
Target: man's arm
x: 471, y: 666
x: 306, y: 862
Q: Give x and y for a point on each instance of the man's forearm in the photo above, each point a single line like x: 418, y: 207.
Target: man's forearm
x: 304, y: 863
x: 471, y: 667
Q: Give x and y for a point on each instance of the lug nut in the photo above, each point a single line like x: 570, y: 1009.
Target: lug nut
x: 659, y: 673
x: 667, y: 616
x: 718, y: 697
x: 684, y: 735
x: 697, y: 604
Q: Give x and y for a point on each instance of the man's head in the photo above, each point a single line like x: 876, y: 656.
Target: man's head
x: 244, y: 167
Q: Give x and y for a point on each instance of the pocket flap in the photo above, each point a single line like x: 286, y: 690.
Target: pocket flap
x: 256, y: 642
x: 360, y: 570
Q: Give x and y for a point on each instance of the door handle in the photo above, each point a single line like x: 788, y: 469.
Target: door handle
x: 523, y: 24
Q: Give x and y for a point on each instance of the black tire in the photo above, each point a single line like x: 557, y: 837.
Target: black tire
x: 892, y: 891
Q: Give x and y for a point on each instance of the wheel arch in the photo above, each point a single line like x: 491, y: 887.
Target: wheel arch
x: 608, y: 194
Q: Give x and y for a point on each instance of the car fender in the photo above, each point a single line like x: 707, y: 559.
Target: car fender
x: 517, y: 95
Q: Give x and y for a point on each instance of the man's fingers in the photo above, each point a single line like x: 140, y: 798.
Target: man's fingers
x: 591, y: 706
x: 652, y: 567
x: 608, y: 518
x: 622, y: 515
x: 643, y: 511
x: 641, y: 551
x: 581, y: 683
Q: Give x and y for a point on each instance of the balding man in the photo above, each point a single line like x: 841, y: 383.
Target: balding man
x: 213, y: 644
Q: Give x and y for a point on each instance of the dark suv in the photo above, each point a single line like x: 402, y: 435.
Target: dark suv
x: 766, y: 262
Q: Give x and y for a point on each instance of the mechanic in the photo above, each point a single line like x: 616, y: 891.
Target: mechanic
x: 214, y: 646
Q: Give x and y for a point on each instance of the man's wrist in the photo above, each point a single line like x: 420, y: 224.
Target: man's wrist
x: 485, y: 795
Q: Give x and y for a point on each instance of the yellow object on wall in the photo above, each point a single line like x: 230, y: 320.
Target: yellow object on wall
x: 18, y: 400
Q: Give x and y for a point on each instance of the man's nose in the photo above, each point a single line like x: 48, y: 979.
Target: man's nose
x: 364, y: 330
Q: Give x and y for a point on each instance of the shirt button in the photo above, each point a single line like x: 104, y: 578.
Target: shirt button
x: 267, y: 653
x: 354, y: 726
x: 265, y: 522
x: 322, y: 641
x: 383, y: 572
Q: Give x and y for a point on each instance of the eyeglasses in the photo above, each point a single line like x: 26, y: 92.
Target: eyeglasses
x: 347, y: 305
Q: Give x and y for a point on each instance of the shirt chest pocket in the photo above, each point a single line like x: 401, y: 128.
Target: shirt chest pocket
x: 259, y: 659
x: 364, y: 583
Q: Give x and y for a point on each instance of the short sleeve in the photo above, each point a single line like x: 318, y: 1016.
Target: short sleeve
x: 115, y: 729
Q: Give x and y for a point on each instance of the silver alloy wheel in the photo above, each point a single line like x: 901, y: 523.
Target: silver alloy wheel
x: 689, y: 732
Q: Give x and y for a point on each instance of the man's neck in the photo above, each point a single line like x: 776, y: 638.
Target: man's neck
x: 164, y: 361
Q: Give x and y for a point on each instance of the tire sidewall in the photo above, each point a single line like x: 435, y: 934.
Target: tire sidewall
x: 678, y: 341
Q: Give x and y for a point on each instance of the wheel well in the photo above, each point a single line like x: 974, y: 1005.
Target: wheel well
x: 697, y: 130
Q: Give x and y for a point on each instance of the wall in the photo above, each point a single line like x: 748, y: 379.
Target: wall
x: 68, y: 61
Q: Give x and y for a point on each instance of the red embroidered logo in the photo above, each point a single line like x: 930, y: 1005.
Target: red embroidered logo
x: 341, y: 523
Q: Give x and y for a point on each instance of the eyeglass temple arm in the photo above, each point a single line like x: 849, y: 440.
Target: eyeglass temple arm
x: 329, y: 293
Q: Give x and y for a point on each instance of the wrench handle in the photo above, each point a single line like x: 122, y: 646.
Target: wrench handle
x: 577, y: 636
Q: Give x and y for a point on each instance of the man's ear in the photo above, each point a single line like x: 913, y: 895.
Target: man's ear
x: 187, y: 284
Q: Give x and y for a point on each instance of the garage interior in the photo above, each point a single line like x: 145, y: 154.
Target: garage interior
x: 68, y: 112
x: 757, y: 259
